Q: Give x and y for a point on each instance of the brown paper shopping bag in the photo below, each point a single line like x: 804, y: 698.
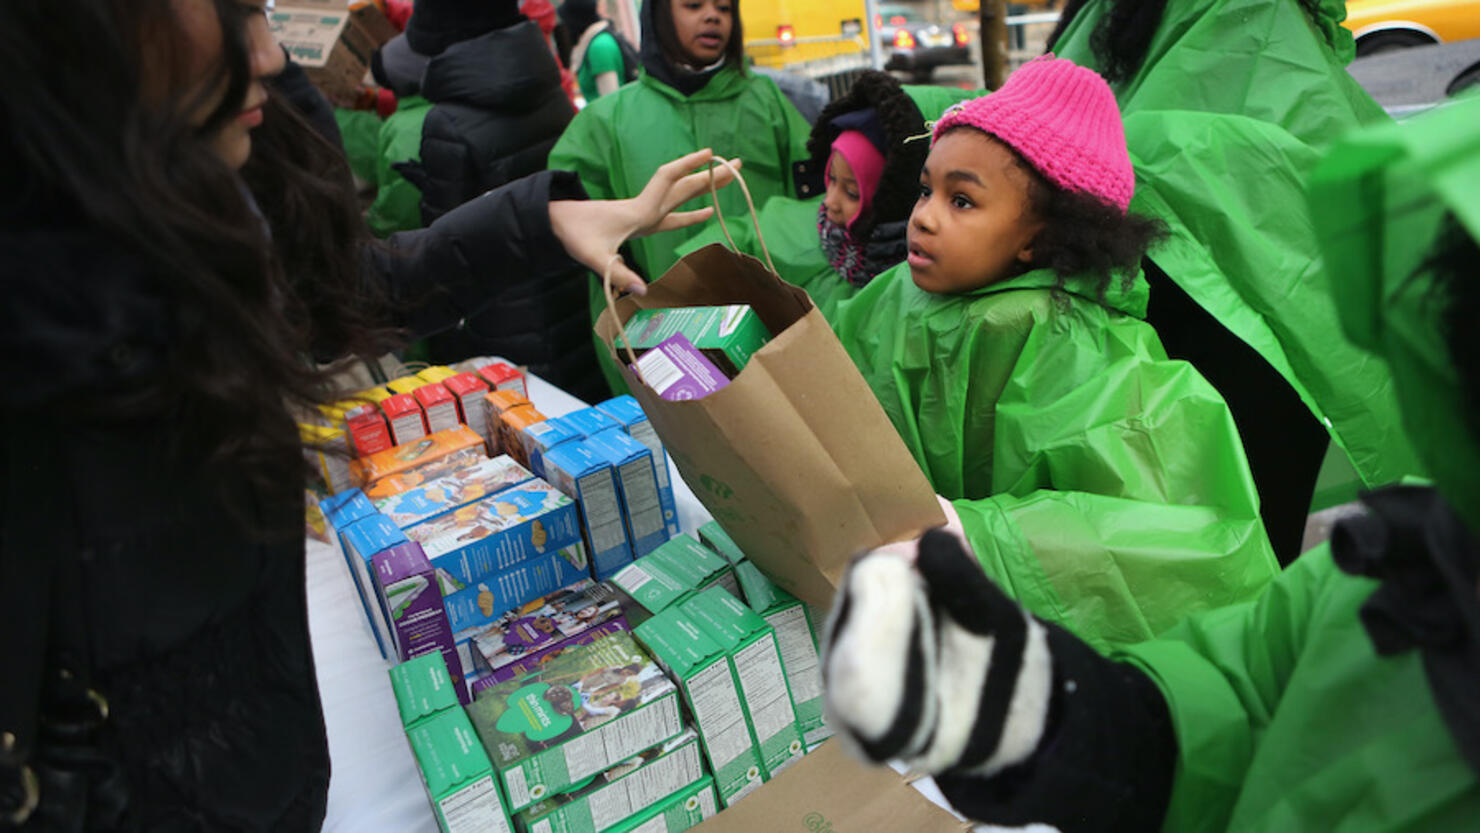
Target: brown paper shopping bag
x: 829, y: 792
x: 795, y: 457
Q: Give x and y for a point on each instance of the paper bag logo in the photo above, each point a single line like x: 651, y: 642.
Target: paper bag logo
x: 716, y: 488
x: 815, y: 822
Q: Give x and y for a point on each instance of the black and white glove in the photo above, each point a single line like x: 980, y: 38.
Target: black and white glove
x: 929, y: 663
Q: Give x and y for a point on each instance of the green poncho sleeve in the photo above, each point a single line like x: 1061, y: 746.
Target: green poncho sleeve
x: 397, y: 205
x: 1098, y: 481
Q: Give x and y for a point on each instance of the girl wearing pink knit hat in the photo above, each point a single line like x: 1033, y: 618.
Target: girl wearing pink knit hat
x: 1099, y: 482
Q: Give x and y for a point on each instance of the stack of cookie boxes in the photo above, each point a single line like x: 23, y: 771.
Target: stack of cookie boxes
x: 443, y: 541
x: 590, y: 729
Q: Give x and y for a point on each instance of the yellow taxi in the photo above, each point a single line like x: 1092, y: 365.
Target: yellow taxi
x: 1384, y: 25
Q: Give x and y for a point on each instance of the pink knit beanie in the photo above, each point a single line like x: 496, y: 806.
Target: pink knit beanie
x: 1064, y: 120
x: 867, y: 164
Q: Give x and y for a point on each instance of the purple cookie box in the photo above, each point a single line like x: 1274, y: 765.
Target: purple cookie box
x: 419, y: 625
x: 529, y: 662
x: 686, y: 374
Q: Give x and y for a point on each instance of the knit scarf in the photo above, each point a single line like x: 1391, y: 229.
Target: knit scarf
x: 859, y: 262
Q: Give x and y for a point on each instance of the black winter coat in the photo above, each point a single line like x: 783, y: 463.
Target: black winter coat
x: 498, y: 109
x: 190, y: 593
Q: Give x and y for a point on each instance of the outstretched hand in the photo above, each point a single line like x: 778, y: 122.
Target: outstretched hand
x: 593, y: 230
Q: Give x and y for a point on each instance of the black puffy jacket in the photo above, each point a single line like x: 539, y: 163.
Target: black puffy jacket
x: 190, y: 597
x: 498, y: 108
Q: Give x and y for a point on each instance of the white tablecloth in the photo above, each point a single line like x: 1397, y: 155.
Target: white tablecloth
x: 375, y: 786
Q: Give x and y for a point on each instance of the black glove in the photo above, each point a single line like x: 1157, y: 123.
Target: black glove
x: 931, y: 664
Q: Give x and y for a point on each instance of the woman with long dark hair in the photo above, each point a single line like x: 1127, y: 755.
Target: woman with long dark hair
x: 182, y: 253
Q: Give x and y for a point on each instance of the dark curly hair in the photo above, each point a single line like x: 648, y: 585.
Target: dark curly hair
x: 1082, y: 234
x: 899, y: 185
x: 1123, y: 35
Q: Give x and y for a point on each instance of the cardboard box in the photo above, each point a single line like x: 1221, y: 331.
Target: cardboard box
x: 345, y: 508
x: 423, y: 689
x: 457, y: 775
x: 529, y: 663
x: 678, y: 372
x: 405, y: 384
x: 584, y: 475
x: 637, y: 486
x: 511, y: 426
x: 404, y: 415
x: 404, y: 467
x: 725, y: 335
x: 546, y: 624
x: 410, y: 599
x: 495, y: 405
x: 650, y: 587
x: 469, y: 391
x: 797, y: 641
x: 589, y: 422
x: 473, y: 606
x: 436, y: 373
x: 499, y: 532
x: 714, y: 536
x: 831, y: 792
x: 504, y: 376
x: 751, y: 645
x: 619, y: 793
x: 683, y: 810
x: 375, y: 395
x: 695, y: 564
x: 333, y: 41
x: 581, y: 713
x: 701, y: 667
x: 625, y: 410
x: 540, y: 438
x: 362, y: 540
x: 456, y: 488
x: 439, y: 405
x: 324, y: 447
x: 368, y: 431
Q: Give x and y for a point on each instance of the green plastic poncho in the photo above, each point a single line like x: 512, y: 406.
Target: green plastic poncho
x: 1099, y: 482
x: 1378, y: 200
x: 1225, y: 120
x: 1286, y: 718
x: 790, y: 225
x: 360, y: 130
x: 397, y: 205
x: 618, y: 142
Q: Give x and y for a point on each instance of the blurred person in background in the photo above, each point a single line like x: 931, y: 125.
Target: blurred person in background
x: 182, y: 247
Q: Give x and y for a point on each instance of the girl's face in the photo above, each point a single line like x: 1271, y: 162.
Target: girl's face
x: 200, y: 27
x: 973, y: 224
x: 843, y: 196
x: 703, y: 29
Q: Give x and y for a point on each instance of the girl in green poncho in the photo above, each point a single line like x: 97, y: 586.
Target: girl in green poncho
x: 693, y: 92
x: 1100, y: 482
x: 1343, y: 698
x: 1227, y: 105
x: 847, y: 224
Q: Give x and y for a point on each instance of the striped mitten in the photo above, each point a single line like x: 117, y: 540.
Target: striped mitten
x: 929, y: 663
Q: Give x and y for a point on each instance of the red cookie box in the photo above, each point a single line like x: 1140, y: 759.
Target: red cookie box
x: 406, y: 419
x: 440, y: 407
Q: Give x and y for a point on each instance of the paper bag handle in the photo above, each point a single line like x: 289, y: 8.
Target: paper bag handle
x: 606, y: 278
x: 754, y: 220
